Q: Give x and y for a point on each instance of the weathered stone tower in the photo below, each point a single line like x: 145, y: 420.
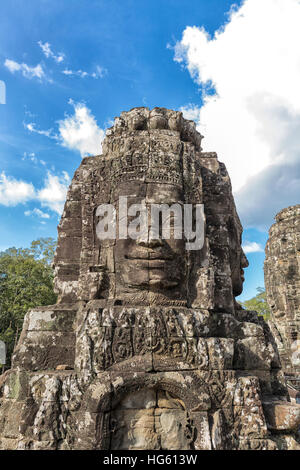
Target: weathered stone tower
x: 282, y: 279
x: 146, y: 347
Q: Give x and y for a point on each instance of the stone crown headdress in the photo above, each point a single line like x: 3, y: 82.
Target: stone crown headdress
x: 148, y: 146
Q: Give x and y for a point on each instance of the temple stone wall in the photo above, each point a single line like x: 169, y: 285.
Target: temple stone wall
x: 147, y: 347
x: 282, y: 280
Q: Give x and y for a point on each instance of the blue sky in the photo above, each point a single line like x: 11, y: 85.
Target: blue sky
x: 71, y: 67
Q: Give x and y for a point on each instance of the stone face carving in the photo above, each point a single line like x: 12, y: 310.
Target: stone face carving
x: 147, y: 348
x: 282, y: 279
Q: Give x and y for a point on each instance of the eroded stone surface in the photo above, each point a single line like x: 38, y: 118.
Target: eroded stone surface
x: 140, y: 356
x: 282, y: 280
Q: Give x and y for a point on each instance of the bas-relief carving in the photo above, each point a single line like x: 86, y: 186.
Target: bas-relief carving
x: 154, y: 352
x: 152, y: 419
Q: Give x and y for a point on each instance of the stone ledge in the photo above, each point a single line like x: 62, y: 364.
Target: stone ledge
x: 282, y: 416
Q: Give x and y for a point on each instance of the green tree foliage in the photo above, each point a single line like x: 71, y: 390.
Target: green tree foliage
x: 43, y: 249
x: 26, y: 281
x: 259, y: 304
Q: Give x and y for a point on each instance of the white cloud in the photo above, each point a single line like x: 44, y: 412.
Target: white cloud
x: 31, y: 127
x: 13, y: 192
x: 268, y: 192
x: 46, y: 48
x: 79, y: 73
x: 53, y: 194
x: 253, y: 118
x: 26, y: 70
x: 80, y: 131
x: 30, y: 156
x: 252, y: 247
x: 191, y: 112
x: 38, y: 213
x: 100, y: 73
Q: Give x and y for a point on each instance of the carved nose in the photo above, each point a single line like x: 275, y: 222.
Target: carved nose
x: 150, y: 242
x: 244, y: 261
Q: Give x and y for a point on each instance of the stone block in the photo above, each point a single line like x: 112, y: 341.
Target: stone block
x: 282, y: 416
